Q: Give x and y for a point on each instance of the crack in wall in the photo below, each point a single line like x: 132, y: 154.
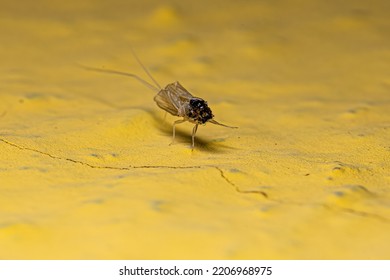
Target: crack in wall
x: 222, y: 174
x: 264, y: 194
x: 96, y: 166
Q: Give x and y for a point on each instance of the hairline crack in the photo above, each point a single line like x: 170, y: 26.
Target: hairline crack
x: 222, y: 173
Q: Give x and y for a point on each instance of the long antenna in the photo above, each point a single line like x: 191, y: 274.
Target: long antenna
x: 145, y: 69
x: 152, y: 87
x: 221, y: 124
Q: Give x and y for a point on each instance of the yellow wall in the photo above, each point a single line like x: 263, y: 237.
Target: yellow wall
x: 86, y: 169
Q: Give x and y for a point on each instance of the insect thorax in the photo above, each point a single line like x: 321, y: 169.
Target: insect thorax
x: 198, y: 111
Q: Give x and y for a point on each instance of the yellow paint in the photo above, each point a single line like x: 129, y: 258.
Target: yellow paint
x: 87, y: 171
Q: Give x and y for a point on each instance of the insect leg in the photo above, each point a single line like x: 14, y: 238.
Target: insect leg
x: 193, y: 135
x: 174, y: 125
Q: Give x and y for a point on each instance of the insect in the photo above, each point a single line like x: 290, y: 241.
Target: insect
x: 174, y: 99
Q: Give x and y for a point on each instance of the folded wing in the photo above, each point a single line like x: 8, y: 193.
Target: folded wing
x: 173, y: 98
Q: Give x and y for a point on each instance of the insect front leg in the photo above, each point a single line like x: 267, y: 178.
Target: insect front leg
x: 193, y: 135
x: 174, y: 130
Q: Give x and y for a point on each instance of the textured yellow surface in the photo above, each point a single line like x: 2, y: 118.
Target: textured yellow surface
x: 86, y: 170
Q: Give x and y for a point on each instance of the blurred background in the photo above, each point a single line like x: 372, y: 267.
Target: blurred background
x: 86, y: 170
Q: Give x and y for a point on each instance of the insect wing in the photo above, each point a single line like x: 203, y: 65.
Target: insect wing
x: 179, y: 91
x: 173, y: 98
x: 165, y: 101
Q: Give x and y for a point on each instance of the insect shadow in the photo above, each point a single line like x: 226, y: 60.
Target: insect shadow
x: 160, y: 122
x: 173, y: 99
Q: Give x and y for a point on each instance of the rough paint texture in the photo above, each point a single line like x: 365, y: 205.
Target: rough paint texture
x: 86, y: 170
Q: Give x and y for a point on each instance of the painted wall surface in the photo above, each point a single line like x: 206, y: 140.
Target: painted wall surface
x: 86, y: 169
